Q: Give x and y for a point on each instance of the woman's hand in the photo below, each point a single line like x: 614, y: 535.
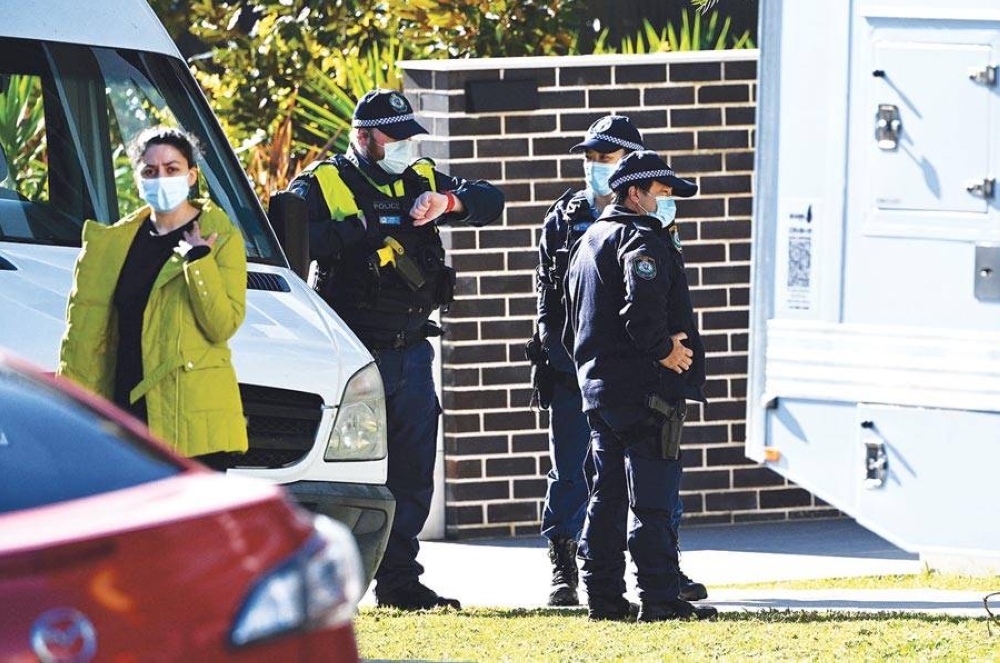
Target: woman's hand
x: 194, y: 237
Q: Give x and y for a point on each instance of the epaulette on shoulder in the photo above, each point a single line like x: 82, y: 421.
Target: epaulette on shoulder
x: 340, y: 161
x: 138, y: 215
x: 561, y: 199
x: 577, y: 204
x: 332, y: 161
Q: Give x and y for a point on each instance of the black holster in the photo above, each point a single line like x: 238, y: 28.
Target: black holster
x: 543, y: 376
x: 445, y: 293
x: 669, y: 418
x: 560, y: 265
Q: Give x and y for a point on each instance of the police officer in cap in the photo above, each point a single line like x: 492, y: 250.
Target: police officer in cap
x: 607, y: 140
x: 374, y: 214
x: 639, y: 358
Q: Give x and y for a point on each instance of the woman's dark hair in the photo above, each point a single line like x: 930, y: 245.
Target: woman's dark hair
x: 185, y: 143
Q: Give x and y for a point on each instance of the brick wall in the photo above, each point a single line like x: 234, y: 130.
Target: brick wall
x: 698, y: 110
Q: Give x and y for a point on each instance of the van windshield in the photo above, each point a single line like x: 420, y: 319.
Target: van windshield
x: 67, y: 113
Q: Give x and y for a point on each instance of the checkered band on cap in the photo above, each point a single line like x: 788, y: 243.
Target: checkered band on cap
x: 627, y: 144
x: 642, y: 175
x: 380, y: 121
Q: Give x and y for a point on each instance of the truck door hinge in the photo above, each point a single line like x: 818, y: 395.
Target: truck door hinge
x: 984, y: 188
x: 984, y: 75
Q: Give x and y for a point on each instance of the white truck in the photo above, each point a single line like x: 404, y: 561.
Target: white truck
x: 78, y: 80
x: 875, y: 355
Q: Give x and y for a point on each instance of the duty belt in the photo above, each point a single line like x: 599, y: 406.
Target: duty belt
x: 404, y: 340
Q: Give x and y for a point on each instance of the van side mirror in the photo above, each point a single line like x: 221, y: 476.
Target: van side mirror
x: 289, y: 217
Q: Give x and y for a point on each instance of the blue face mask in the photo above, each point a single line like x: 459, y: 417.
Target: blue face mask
x: 165, y: 194
x: 666, y: 210
x: 597, y: 176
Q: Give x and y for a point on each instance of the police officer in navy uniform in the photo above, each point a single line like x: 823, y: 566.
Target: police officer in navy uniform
x: 606, y: 142
x: 639, y: 358
x: 374, y: 214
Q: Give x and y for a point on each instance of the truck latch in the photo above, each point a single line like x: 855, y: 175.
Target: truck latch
x: 984, y: 188
x: 984, y: 75
x: 876, y: 458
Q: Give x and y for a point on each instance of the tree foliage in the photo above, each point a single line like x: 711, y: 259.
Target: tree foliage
x: 494, y: 28
x: 283, y: 75
x: 22, y: 125
x: 256, y: 58
x: 694, y: 34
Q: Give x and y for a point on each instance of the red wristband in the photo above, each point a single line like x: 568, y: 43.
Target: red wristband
x: 452, y: 199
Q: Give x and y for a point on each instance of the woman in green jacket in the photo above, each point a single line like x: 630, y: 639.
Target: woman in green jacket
x: 155, y: 299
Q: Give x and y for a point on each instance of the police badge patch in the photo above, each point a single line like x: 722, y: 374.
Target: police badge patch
x: 601, y: 126
x: 397, y: 102
x: 644, y: 267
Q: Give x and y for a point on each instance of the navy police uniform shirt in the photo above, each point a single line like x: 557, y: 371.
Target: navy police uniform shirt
x: 336, y: 248
x: 626, y: 294
x: 567, y: 219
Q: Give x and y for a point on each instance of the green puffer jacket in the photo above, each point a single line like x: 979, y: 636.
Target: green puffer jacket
x: 192, y: 397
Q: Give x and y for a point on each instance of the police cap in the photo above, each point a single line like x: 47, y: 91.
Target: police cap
x: 610, y: 134
x: 389, y: 112
x: 646, y: 166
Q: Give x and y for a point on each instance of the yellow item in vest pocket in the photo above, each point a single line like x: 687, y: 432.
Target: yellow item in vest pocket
x: 392, y: 253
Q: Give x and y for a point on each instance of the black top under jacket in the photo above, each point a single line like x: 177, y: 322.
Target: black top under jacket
x: 146, y: 257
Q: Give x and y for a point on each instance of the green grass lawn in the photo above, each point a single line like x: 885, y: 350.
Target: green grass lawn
x: 566, y: 635
x: 925, y: 580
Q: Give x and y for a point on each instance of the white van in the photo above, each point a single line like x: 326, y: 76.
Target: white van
x: 78, y: 80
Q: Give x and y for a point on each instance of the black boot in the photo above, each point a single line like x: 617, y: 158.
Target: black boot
x: 562, y: 554
x: 677, y: 609
x: 414, y: 596
x: 689, y: 589
x: 614, y: 608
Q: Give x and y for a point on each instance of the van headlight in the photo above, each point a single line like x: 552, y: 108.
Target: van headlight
x: 359, y: 427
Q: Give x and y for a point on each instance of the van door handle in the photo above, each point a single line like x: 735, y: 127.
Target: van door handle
x: 888, y: 126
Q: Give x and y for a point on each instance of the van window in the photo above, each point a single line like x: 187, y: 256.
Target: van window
x: 67, y: 113
x: 53, y: 449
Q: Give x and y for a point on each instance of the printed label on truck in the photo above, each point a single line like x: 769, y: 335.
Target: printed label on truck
x: 795, y: 265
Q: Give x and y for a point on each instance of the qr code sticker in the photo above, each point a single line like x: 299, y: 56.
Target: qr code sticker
x: 799, y: 259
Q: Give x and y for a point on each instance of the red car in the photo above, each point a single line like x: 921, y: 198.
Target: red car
x: 112, y: 548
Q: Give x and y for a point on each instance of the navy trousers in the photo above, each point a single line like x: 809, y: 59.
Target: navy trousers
x: 629, y: 477
x: 678, y: 514
x: 412, y: 411
x: 569, y: 449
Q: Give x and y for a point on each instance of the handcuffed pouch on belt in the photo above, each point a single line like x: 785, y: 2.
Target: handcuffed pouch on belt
x: 670, y: 418
x: 446, y: 280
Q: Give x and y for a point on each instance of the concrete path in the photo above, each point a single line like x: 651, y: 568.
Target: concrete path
x: 515, y: 572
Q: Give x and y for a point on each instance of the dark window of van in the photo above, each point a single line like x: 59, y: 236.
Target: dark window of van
x: 67, y: 113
